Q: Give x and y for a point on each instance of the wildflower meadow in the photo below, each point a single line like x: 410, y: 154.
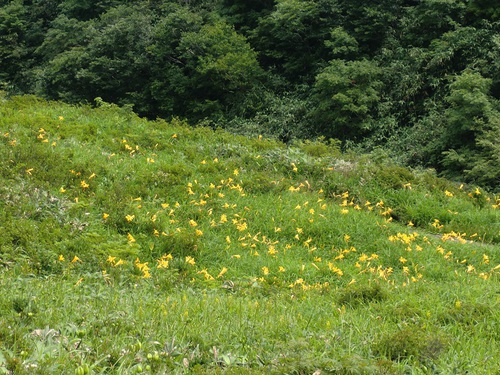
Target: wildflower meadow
x: 132, y: 246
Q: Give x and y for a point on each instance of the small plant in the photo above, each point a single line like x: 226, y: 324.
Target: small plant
x: 410, y: 342
x: 359, y: 294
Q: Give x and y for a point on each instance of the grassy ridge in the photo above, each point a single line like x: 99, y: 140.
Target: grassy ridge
x: 129, y: 245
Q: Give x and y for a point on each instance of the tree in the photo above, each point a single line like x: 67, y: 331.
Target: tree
x: 13, y: 28
x: 346, y: 94
x: 201, y: 70
x: 291, y: 39
x: 470, y: 140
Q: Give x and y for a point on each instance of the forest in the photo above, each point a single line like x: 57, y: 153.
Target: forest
x: 417, y: 80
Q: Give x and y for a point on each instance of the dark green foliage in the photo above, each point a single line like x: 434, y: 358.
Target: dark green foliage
x: 392, y: 177
x: 12, y: 44
x: 292, y: 37
x: 470, y: 139
x: 346, y: 93
x: 384, y: 73
x: 219, y: 66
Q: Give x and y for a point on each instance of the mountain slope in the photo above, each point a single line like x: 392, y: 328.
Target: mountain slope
x: 132, y: 245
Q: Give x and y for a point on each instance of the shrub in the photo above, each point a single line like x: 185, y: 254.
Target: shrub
x: 360, y: 294
x: 410, y: 342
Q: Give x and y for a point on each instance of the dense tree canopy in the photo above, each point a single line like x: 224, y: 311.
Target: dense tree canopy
x: 418, y: 77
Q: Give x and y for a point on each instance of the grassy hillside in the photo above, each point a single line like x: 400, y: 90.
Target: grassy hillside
x: 132, y: 246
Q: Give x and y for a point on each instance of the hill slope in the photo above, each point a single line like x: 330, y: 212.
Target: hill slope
x: 129, y: 245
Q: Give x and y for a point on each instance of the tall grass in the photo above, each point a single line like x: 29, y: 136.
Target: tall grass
x: 133, y: 246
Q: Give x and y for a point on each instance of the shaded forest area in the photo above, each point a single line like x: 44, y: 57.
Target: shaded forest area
x: 418, y: 78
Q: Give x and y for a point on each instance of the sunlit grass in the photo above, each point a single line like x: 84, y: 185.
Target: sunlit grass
x: 132, y: 246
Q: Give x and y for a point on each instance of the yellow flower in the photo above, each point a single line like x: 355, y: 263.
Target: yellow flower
x: 75, y: 259
x: 265, y: 270
x: 436, y: 224
x: 272, y: 250
x: 335, y: 269
x: 190, y: 260
x: 130, y: 238
x: 222, y: 272
x: 206, y: 275
x: 141, y: 266
x: 111, y: 259
x: 486, y: 259
x: 29, y: 170
x: 241, y: 226
x: 403, y: 260
x: 281, y: 269
x: 363, y: 258
x: 62, y: 190
x: 84, y: 184
x: 448, y: 193
x: 61, y: 118
x: 130, y: 218
x: 105, y: 216
x: 193, y: 223
x: 236, y: 172
x: 162, y: 262
x: 61, y: 258
x: 344, y: 211
x: 198, y: 233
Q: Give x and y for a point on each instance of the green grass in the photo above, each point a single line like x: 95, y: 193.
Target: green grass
x: 135, y: 246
